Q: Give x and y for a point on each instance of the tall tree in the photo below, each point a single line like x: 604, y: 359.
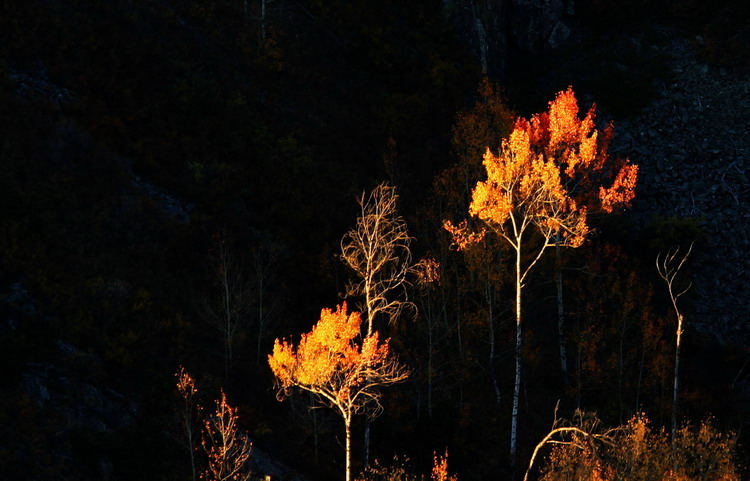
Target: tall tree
x: 524, y: 195
x: 228, y: 306
x: 341, y: 374
x: 582, y: 153
x: 378, y: 250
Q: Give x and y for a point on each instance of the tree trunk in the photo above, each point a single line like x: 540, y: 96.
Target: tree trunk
x: 491, y: 327
x: 347, y: 426
x: 517, y: 384
x: 366, y: 454
x: 676, y: 378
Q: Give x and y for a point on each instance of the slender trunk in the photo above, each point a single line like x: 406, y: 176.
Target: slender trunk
x: 561, y: 314
x: 315, y: 434
x: 620, y: 363
x: 517, y: 385
x: 368, y: 408
x: 347, y: 426
x: 429, y: 362
x: 263, y: 19
x: 676, y: 377
x: 366, y: 454
x: 260, y: 318
x: 458, y: 321
x: 491, y: 327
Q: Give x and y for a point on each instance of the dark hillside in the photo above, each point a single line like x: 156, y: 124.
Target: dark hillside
x: 142, y: 140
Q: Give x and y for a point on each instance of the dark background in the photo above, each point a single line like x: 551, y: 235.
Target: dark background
x: 135, y: 136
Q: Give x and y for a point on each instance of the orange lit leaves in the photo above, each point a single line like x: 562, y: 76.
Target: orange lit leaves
x: 550, y: 172
x: 523, y: 183
x: 581, y: 153
x: 440, y: 468
x: 329, y: 362
x: 622, y: 190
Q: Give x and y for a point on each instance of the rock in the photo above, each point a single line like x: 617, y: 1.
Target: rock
x: 560, y: 34
x: 80, y: 405
x: 533, y: 21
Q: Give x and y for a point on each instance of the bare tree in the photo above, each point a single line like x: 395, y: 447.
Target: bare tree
x: 377, y: 249
x: 583, y: 436
x: 228, y: 307
x: 668, y: 271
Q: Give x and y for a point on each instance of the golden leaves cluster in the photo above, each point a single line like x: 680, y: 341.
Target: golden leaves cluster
x: 185, y: 384
x: 524, y: 187
x: 440, y: 468
x: 329, y: 362
x: 551, y: 171
x: 581, y: 151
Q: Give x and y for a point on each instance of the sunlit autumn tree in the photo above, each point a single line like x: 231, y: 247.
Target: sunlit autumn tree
x: 440, y: 468
x: 228, y: 450
x: 590, y: 176
x: 527, y: 199
x: 341, y: 373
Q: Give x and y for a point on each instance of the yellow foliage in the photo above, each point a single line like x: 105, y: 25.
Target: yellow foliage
x: 638, y: 452
x: 440, y: 468
x: 329, y: 362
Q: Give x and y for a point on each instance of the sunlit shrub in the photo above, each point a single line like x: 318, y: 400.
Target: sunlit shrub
x: 637, y: 451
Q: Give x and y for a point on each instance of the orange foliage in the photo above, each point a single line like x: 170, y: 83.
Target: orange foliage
x: 550, y: 172
x: 581, y: 152
x: 329, y: 363
x: 341, y: 374
x: 440, y: 468
x: 185, y: 384
x: 228, y: 451
x: 522, y: 188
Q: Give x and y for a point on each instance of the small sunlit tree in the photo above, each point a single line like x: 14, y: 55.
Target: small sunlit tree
x: 339, y: 372
x: 188, y: 415
x: 440, y: 468
x: 228, y: 449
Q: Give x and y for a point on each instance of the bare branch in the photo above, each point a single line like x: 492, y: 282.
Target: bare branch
x: 378, y: 251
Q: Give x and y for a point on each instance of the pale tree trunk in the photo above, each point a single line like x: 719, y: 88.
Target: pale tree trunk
x: 676, y: 377
x: 668, y: 271
x: 347, y: 426
x: 517, y: 384
x: 366, y: 457
x: 370, y: 315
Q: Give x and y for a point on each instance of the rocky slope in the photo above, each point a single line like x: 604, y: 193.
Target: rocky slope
x: 692, y: 146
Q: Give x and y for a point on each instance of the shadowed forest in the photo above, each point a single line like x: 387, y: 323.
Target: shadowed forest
x: 324, y: 239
